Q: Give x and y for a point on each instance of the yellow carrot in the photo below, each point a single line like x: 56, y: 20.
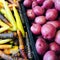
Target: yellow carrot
x: 4, y: 26
x: 9, y: 15
x: 14, y: 0
x: 3, y: 12
x: 18, y: 21
x: 1, y: 4
x: 3, y: 29
x: 11, y: 51
x: 3, y: 41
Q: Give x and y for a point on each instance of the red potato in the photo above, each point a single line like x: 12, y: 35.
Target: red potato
x: 36, y: 28
x: 47, y: 4
x: 34, y: 3
x: 38, y: 10
x: 55, y: 47
x: 30, y: 14
x: 33, y: 0
x: 53, y: 1
x: 57, y: 4
x: 57, y: 38
x: 50, y: 55
x: 56, y: 24
x: 51, y: 14
x: 40, y: 1
x: 40, y: 20
x: 27, y: 3
x: 41, y: 46
x: 48, y: 31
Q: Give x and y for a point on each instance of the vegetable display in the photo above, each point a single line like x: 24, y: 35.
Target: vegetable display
x: 13, y: 32
x: 44, y: 20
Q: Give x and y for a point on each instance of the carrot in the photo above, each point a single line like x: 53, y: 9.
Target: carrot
x: 4, y: 56
x: 5, y: 46
x: 2, y: 11
x: 18, y: 21
x: 1, y: 4
x: 5, y: 20
x: 9, y: 15
x: 8, y: 35
x: 3, y: 29
x: 21, y: 45
x: 7, y: 51
x: 11, y: 51
x: 4, y: 26
x: 3, y: 41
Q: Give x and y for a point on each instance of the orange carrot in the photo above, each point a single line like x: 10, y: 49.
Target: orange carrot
x: 21, y: 45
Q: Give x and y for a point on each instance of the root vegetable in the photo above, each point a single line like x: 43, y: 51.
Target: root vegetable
x: 34, y: 3
x: 56, y: 24
x: 55, y: 47
x: 36, y: 29
x: 48, y: 31
x: 50, y: 55
x: 47, y: 4
x: 27, y: 3
x: 30, y: 14
x: 57, y: 4
x: 57, y: 38
x: 40, y: 1
x: 38, y: 10
x: 40, y: 20
x: 51, y: 14
x: 41, y: 46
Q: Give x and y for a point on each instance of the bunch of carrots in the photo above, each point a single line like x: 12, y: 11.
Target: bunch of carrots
x: 12, y: 33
